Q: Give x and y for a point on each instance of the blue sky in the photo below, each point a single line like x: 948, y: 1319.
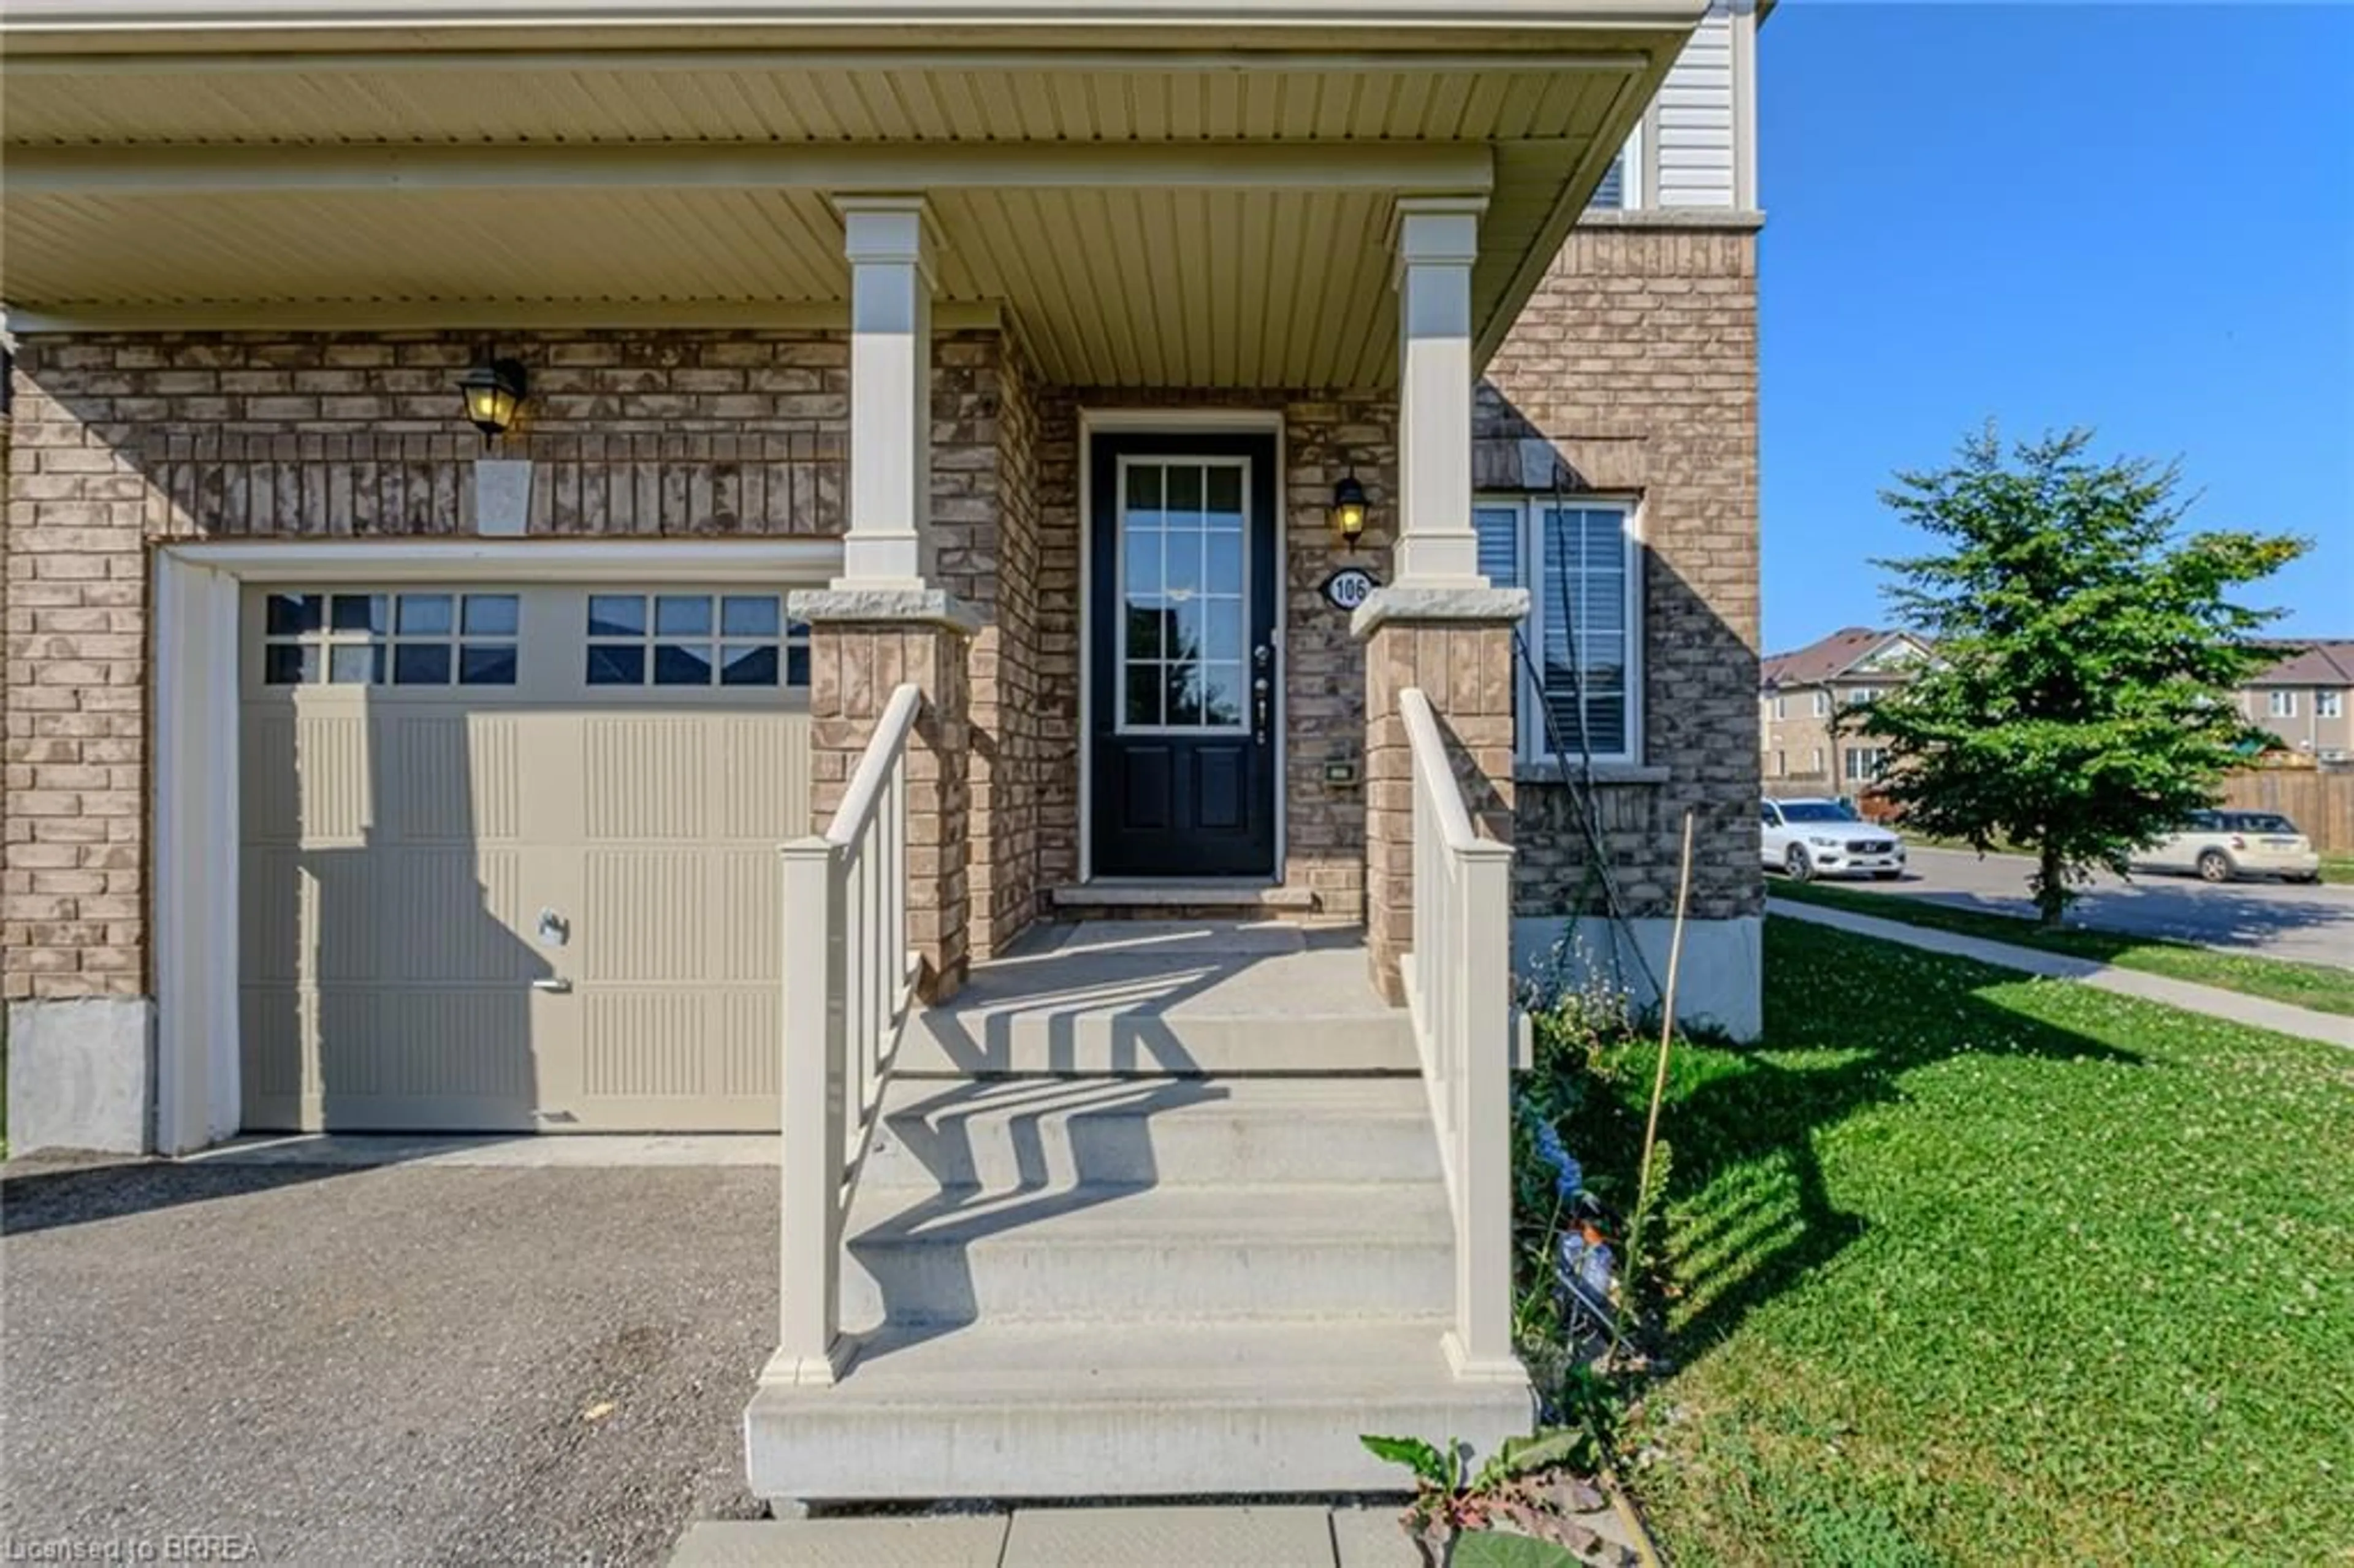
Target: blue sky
x: 2136, y: 218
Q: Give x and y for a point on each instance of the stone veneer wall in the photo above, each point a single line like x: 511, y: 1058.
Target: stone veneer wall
x: 1324, y: 688
x: 117, y: 441
x: 1636, y: 362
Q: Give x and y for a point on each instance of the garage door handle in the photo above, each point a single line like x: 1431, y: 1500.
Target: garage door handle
x: 552, y: 982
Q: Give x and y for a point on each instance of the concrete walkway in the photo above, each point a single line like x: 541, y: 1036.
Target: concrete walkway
x: 1243, y: 1536
x: 2279, y: 1016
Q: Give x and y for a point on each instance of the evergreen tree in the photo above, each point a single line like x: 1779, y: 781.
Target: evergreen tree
x: 2082, y: 699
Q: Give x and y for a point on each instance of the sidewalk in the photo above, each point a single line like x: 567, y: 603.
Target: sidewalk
x: 2327, y: 1027
x: 1243, y: 1536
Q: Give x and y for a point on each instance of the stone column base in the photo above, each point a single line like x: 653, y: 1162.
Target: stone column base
x: 864, y: 644
x: 1456, y: 646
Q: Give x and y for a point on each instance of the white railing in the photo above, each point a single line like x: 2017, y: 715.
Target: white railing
x: 849, y: 985
x: 1458, y: 980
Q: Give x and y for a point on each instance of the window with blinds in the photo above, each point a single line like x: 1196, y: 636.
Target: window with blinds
x: 1583, y: 621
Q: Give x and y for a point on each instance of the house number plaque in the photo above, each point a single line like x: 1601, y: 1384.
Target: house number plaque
x: 1346, y: 589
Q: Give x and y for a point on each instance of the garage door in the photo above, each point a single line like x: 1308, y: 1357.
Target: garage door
x: 509, y: 855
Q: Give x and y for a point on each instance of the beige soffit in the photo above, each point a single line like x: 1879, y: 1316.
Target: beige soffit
x: 1153, y: 204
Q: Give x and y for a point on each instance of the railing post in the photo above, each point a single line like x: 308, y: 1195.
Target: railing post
x: 810, y: 1347
x: 1481, y: 1344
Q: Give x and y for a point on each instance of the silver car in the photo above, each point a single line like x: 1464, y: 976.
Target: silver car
x: 2224, y: 846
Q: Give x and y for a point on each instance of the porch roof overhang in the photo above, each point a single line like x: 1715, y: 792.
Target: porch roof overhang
x: 1178, y: 194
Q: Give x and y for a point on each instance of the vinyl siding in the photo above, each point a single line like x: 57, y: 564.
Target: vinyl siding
x: 1695, y: 118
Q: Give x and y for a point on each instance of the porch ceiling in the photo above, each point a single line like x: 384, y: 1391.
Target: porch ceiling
x: 1191, y: 213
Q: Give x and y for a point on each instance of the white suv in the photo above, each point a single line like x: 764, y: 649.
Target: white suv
x: 1808, y: 839
x: 2222, y: 846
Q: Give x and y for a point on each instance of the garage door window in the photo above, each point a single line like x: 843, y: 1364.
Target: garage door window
x: 362, y: 638
x: 694, y: 640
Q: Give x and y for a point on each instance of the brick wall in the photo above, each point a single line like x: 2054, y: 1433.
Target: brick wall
x: 1636, y: 362
x: 985, y: 502
x: 1324, y: 694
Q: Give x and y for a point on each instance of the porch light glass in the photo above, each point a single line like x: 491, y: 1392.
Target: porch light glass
x: 1349, y: 508
x: 494, y: 392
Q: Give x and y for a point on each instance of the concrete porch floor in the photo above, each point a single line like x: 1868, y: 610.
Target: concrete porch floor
x: 1167, y: 996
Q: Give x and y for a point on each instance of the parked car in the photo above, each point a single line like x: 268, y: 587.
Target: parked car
x: 2222, y: 846
x: 1806, y: 839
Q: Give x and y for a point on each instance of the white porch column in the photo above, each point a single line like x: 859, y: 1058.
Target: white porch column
x: 1437, y: 240
x: 889, y: 543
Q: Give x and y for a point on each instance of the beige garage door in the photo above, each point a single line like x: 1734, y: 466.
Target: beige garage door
x: 510, y: 856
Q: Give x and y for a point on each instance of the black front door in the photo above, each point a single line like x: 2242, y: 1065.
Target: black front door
x: 1182, y: 654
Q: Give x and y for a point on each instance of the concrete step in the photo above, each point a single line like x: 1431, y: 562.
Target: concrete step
x: 1127, y: 1254
x: 1153, y: 997
x: 1002, y: 1135
x: 1011, y: 1411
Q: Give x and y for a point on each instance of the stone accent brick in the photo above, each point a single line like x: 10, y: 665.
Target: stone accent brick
x: 1635, y: 367
x: 1465, y: 668
x: 855, y: 666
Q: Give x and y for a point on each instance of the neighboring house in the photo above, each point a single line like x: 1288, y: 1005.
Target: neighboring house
x: 940, y: 431
x: 2306, y: 699
x: 1804, y: 746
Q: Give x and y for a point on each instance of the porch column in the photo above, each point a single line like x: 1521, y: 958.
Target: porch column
x: 1437, y: 240
x: 886, y: 620
x: 889, y: 543
x: 1440, y: 626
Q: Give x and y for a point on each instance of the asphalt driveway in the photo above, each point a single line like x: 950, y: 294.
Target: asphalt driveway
x: 386, y: 1364
x: 2278, y: 920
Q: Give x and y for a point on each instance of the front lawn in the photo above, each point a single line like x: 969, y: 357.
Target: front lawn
x: 1970, y: 1267
x: 2321, y: 987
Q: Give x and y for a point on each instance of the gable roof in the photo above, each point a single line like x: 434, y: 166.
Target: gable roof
x: 1830, y: 658
x: 2328, y: 661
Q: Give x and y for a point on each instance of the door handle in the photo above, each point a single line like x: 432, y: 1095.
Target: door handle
x: 1258, y: 708
x: 551, y: 983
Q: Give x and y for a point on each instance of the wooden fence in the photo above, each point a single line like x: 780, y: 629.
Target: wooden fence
x: 2319, y: 801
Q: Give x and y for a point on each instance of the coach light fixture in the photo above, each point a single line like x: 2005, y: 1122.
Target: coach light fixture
x: 1349, y: 508
x: 494, y: 390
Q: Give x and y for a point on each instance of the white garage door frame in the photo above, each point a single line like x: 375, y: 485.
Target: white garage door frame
x: 195, y: 799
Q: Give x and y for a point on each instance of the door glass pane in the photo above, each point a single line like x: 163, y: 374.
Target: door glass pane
x: 682, y: 664
x: 1184, y: 633
x: 1143, y: 694
x: 424, y: 615
x: 617, y: 615
x: 681, y: 615
x: 491, y: 615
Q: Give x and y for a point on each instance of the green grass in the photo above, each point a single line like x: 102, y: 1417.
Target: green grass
x: 2321, y: 987
x: 1972, y: 1268
x: 2339, y: 868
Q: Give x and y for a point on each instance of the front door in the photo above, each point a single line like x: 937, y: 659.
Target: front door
x: 1183, y: 658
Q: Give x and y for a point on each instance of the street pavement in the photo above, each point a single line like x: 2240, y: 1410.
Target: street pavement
x: 2278, y: 920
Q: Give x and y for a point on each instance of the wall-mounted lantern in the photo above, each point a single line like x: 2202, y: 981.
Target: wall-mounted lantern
x: 493, y: 390
x: 1349, y: 508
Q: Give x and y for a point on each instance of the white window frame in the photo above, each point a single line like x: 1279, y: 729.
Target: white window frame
x: 1242, y: 727
x: 1855, y: 694
x: 2329, y: 704
x: 1529, y: 745
x: 1781, y: 707
x: 1781, y: 765
x: 1822, y: 704
x: 1815, y: 762
x: 2280, y: 704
